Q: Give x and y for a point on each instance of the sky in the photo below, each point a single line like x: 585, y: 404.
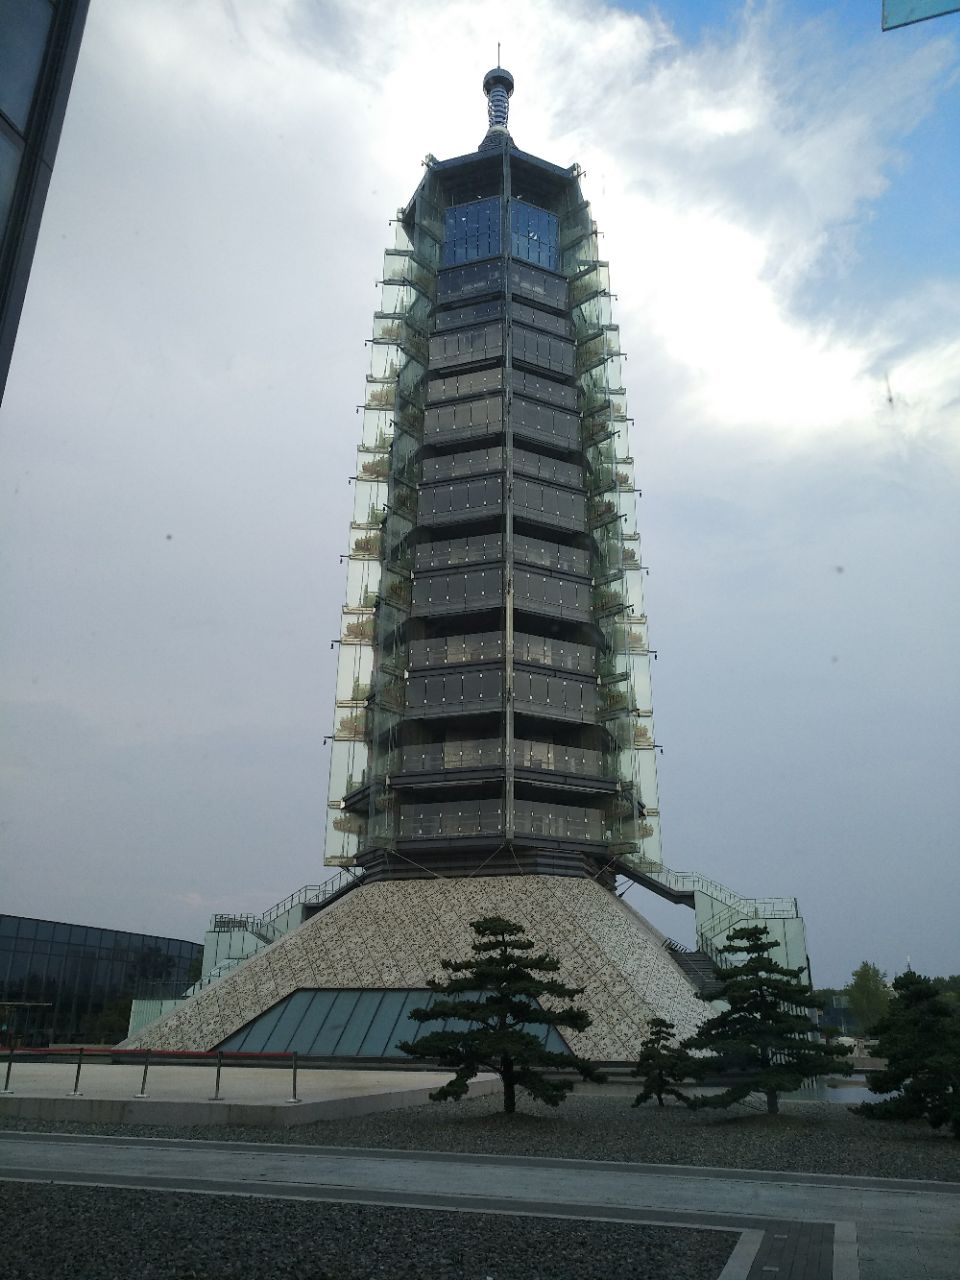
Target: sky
x: 777, y: 187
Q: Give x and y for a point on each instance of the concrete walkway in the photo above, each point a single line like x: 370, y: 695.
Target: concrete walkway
x: 176, y: 1094
x: 793, y: 1226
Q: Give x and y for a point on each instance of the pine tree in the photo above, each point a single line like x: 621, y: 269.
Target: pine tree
x: 920, y: 1039
x: 494, y: 996
x: 662, y: 1065
x: 764, y: 1032
x: 869, y: 996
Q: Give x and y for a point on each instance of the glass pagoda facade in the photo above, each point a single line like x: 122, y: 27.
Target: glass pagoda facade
x: 493, y: 705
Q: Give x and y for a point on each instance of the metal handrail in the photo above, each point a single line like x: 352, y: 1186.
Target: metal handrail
x: 262, y: 927
x: 312, y: 893
x: 712, y: 933
x: 689, y: 881
x: 214, y: 975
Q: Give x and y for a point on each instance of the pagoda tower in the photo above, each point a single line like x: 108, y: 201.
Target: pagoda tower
x: 493, y: 749
x: 493, y: 694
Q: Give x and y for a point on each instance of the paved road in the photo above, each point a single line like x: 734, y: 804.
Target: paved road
x: 905, y: 1230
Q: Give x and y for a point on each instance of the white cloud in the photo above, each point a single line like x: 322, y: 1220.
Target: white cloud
x: 726, y: 176
x: 203, y: 288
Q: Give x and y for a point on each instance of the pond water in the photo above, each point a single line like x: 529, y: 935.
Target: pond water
x: 847, y: 1090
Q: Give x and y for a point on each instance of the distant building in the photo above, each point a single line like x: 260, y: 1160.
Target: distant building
x: 39, y: 44
x: 71, y: 983
x: 836, y: 1013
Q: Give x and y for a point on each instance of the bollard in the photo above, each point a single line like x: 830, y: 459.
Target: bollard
x: 76, y: 1079
x: 6, y: 1083
x: 216, y: 1090
x: 294, y: 1098
x: 143, y: 1081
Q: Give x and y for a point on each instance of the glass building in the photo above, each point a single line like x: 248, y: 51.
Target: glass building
x: 493, y: 692
x: 72, y: 984
x: 39, y: 44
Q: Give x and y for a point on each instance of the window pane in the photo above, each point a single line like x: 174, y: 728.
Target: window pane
x: 538, y: 285
x: 24, y: 25
x: 555, y: 393
x: 476, y: 313
x: 469, y: 281
x: 535, y: 235
x: 471, y: 231
x: 9, y: 167
x: 523, y: 314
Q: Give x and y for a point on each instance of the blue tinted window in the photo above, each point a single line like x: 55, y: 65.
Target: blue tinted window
x: 253, y: 1038
x: 285, y: 1028
x: 24, y: 24
x: 471, y: 231
x: 314, y: 1020
x: 334, y: 1025
x: 380, y: 1034
x: 535, y: 235
x: 359, y: 1023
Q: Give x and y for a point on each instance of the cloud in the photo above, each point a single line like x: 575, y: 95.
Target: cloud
x: 180, y: 425
x: 732, y: 175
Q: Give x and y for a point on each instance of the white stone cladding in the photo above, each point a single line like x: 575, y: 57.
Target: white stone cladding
x: 395, y: 933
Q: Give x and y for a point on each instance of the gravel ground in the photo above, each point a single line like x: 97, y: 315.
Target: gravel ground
x: 807, y: 1136
x: 66, y: 1232
x: 72, y: 1233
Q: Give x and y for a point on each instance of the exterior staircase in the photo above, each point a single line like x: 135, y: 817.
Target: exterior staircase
x: 267, y: 928
x: 718, y: 909
x: 698, y: 967
x: 251, y: 934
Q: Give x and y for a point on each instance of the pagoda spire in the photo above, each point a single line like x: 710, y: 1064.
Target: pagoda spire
x: 498, y: 86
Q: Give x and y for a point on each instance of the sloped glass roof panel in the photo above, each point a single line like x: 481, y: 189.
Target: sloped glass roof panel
x: 351, y: 1024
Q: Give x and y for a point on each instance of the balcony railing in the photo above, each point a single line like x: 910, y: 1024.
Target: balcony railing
x: 549, y: 469
x: 480, y: 753
x: 450, y: 552
x: 433, y: 821
x: 457, y: 466
x: 562, y: 654
x: 564, y: 822
x: 435, y: 757
x: 556, y: 758
x: 551, y: 555
x: 482, y: 646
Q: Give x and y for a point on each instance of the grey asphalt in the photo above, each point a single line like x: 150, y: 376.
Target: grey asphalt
x: 795, y: 1226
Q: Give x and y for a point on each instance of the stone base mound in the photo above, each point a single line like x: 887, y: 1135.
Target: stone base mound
x: 393, y: 934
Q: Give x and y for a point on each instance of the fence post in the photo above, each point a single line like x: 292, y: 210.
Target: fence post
x: 216, y: 1091
x: 76, y: 1079
x: 294, y: 1097
x: 143, y: 1079
x: 6, y: 1083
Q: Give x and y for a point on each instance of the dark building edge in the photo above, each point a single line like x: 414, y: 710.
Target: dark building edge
x: 41, y: 139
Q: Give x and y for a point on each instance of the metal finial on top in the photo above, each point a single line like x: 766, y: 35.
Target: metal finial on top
x: 498, y: 86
